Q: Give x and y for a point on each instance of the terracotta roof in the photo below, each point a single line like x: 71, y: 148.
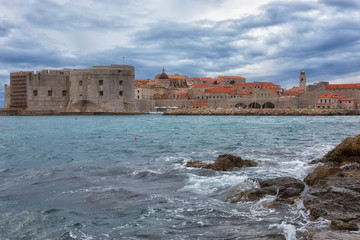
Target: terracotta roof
x: 158, y: 96
x: 179, y: 95
x: 204, y: 85
x: 293, y: 89
x: 177, y: 76
x: 218, y: 90
x: 343, y: 86
x: 291, y: 93
x: 269, y: 90
x: 239, y: 92
x: 200, y: 103
x: 331, y: 95
x: 269, y: 85
x: 347, y: 99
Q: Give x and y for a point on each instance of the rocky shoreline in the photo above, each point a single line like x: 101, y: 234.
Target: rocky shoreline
x: 332, y: 189
x: 265, y: 112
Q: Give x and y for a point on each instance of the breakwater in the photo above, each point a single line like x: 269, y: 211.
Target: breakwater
x: 265, y: 112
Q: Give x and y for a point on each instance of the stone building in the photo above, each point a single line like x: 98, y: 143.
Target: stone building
x: 98, y: 89
x: 331, y: 100
x: 302, y: 81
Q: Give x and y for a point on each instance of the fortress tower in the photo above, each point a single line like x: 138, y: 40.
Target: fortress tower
x: 302, y: 81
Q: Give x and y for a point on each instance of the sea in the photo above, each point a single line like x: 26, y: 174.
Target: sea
x: 124, y: 177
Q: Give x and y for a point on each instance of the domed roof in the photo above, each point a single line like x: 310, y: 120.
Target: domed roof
x: 163, y: 75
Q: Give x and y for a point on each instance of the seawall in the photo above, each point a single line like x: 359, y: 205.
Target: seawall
x: 54, y: 113
x: 266, y: 112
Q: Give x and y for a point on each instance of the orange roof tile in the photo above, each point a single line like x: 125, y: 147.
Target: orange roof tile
x: 218, y: 90
x: 347, y: 99
x: 343, y: 86
x: 200, y: 103
x: 177, y: 76
x: 291, y: 93
x: 239, y: 92
x: 331, y: 95
x: 269, y: 90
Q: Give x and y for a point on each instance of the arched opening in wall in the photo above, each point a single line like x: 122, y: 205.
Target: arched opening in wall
x: 268, y: 105
x: 254, y: 105
x: 240, y: 105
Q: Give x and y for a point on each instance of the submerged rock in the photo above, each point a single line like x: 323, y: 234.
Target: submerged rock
x: 225, y: 162
x: 282, y: 187
x: 334, y: 188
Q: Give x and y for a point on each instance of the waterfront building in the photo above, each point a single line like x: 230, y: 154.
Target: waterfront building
x: 331, y: 100
x: 98, y: 89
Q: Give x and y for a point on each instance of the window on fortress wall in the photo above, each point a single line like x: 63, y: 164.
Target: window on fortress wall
x: 35, y: 93
x: 80, y: 83
x: 101, y: 93
x: 50, y: 93
x: 121, y: 82
x: 64, y: 93
x: 101, y: 82
x: 121, y: 93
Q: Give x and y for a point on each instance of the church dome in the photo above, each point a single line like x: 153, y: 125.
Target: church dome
x: 163, y: 75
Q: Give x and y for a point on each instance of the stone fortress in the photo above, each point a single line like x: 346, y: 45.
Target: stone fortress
x: 98, y: 89
x: 113, y: 89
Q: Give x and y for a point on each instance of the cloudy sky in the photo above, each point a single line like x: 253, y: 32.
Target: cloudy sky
x: 262, y: 40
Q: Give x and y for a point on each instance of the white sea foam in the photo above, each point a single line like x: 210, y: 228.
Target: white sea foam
x: 259, y: 208
x: 288, y: 229
x: 210, y: 184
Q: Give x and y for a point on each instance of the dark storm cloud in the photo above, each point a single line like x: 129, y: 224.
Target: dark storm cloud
x: 320, y: 37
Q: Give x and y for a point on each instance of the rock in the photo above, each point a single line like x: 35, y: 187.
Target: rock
x: 330, y: 235
x: 224, y: 162
x: 348, y: 151
x: 282, y: 187
x: 334, y: 188
x: 336, y: 198
x: 320, y: 174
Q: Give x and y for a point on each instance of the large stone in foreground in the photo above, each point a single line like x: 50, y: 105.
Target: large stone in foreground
x: 330, y: 235
x: 334, y: 188
x: 348, y: 151
x: 281, y: 187
x: 225, y: 162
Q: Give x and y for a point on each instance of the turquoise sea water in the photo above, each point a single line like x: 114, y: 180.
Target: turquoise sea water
x: 86, y: 177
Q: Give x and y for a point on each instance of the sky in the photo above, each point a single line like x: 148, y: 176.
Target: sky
x: 261, y: 40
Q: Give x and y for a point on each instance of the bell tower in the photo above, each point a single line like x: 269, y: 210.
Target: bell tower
x: 302, y: 81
